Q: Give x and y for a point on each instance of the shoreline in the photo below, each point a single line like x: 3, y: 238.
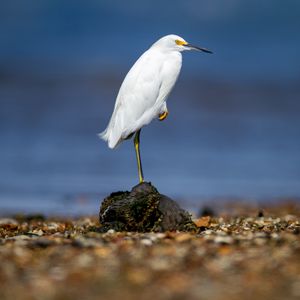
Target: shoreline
x: 244, y: 254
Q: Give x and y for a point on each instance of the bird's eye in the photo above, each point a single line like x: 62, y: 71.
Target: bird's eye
x: 180, y: 43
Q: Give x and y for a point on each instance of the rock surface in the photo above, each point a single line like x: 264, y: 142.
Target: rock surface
x: 143, y: 209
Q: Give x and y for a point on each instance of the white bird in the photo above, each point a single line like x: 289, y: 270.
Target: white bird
x: 143, y: 94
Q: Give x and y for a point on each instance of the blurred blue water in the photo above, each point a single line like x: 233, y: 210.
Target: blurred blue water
x: 233, y: 128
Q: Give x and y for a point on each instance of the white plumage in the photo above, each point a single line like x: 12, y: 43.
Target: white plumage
x: 145, y: 89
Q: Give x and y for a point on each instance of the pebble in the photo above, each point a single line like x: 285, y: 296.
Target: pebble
x: 52, y: 226
x: 4, y: 221
x: 223, y: 240
x: 183, y: 237
x: 203, y: 221
x: 36, y: 232
x: 21, y: 237
x: 146, y: 242
x: 20, y: 240
x: 207, y: 232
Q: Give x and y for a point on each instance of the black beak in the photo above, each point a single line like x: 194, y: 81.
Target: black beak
x: 198, y: 48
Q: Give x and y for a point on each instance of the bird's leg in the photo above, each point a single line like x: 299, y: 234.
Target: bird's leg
x: 162, y: 116
x: 138, y: 156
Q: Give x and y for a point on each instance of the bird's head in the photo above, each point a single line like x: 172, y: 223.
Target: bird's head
x: 177, y: 43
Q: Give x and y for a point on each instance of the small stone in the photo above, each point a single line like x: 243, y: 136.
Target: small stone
x: 183, y: 237
x: 275, y: 236
x: 207, y: 232
x: 160, y: 235
x: 36, y: 232
x: 146, y: 242
x: 19, y: 240
x: 224, y: 240
x: 52, y: 226
x: 260, y: 213
x: 203, y: 221
x: 21, y: 237
x: 10, y: 221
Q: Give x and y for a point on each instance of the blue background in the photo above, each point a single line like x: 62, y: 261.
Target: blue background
x: 233, y: 128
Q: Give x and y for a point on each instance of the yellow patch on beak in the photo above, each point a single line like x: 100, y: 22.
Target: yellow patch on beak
x: 180, y: 43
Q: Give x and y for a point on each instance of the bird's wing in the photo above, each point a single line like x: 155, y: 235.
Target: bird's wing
x: 138, y: 94
x: 168, y: 74
x: 142, y: 94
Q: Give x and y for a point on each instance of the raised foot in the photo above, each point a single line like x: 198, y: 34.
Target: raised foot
x: 163, y: 116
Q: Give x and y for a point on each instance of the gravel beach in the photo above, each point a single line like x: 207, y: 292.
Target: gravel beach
x: 241, y: 253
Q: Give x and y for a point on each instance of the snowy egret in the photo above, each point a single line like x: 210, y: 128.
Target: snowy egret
x: 143, y: 94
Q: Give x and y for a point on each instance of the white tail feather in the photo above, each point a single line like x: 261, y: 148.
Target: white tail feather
x: 113, y: 140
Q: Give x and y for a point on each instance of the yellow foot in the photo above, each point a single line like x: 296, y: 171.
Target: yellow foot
x: 162, y: 116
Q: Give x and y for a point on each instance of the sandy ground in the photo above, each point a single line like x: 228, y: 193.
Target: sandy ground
x: 239, y: 254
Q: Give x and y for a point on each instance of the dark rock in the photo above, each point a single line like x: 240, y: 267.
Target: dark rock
x: 143, y: 209
x: 260, y: 213
x: 206, y: 211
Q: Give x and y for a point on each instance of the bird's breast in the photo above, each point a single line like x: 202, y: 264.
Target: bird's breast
x: 145, y: 89
x: 169, y: 73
